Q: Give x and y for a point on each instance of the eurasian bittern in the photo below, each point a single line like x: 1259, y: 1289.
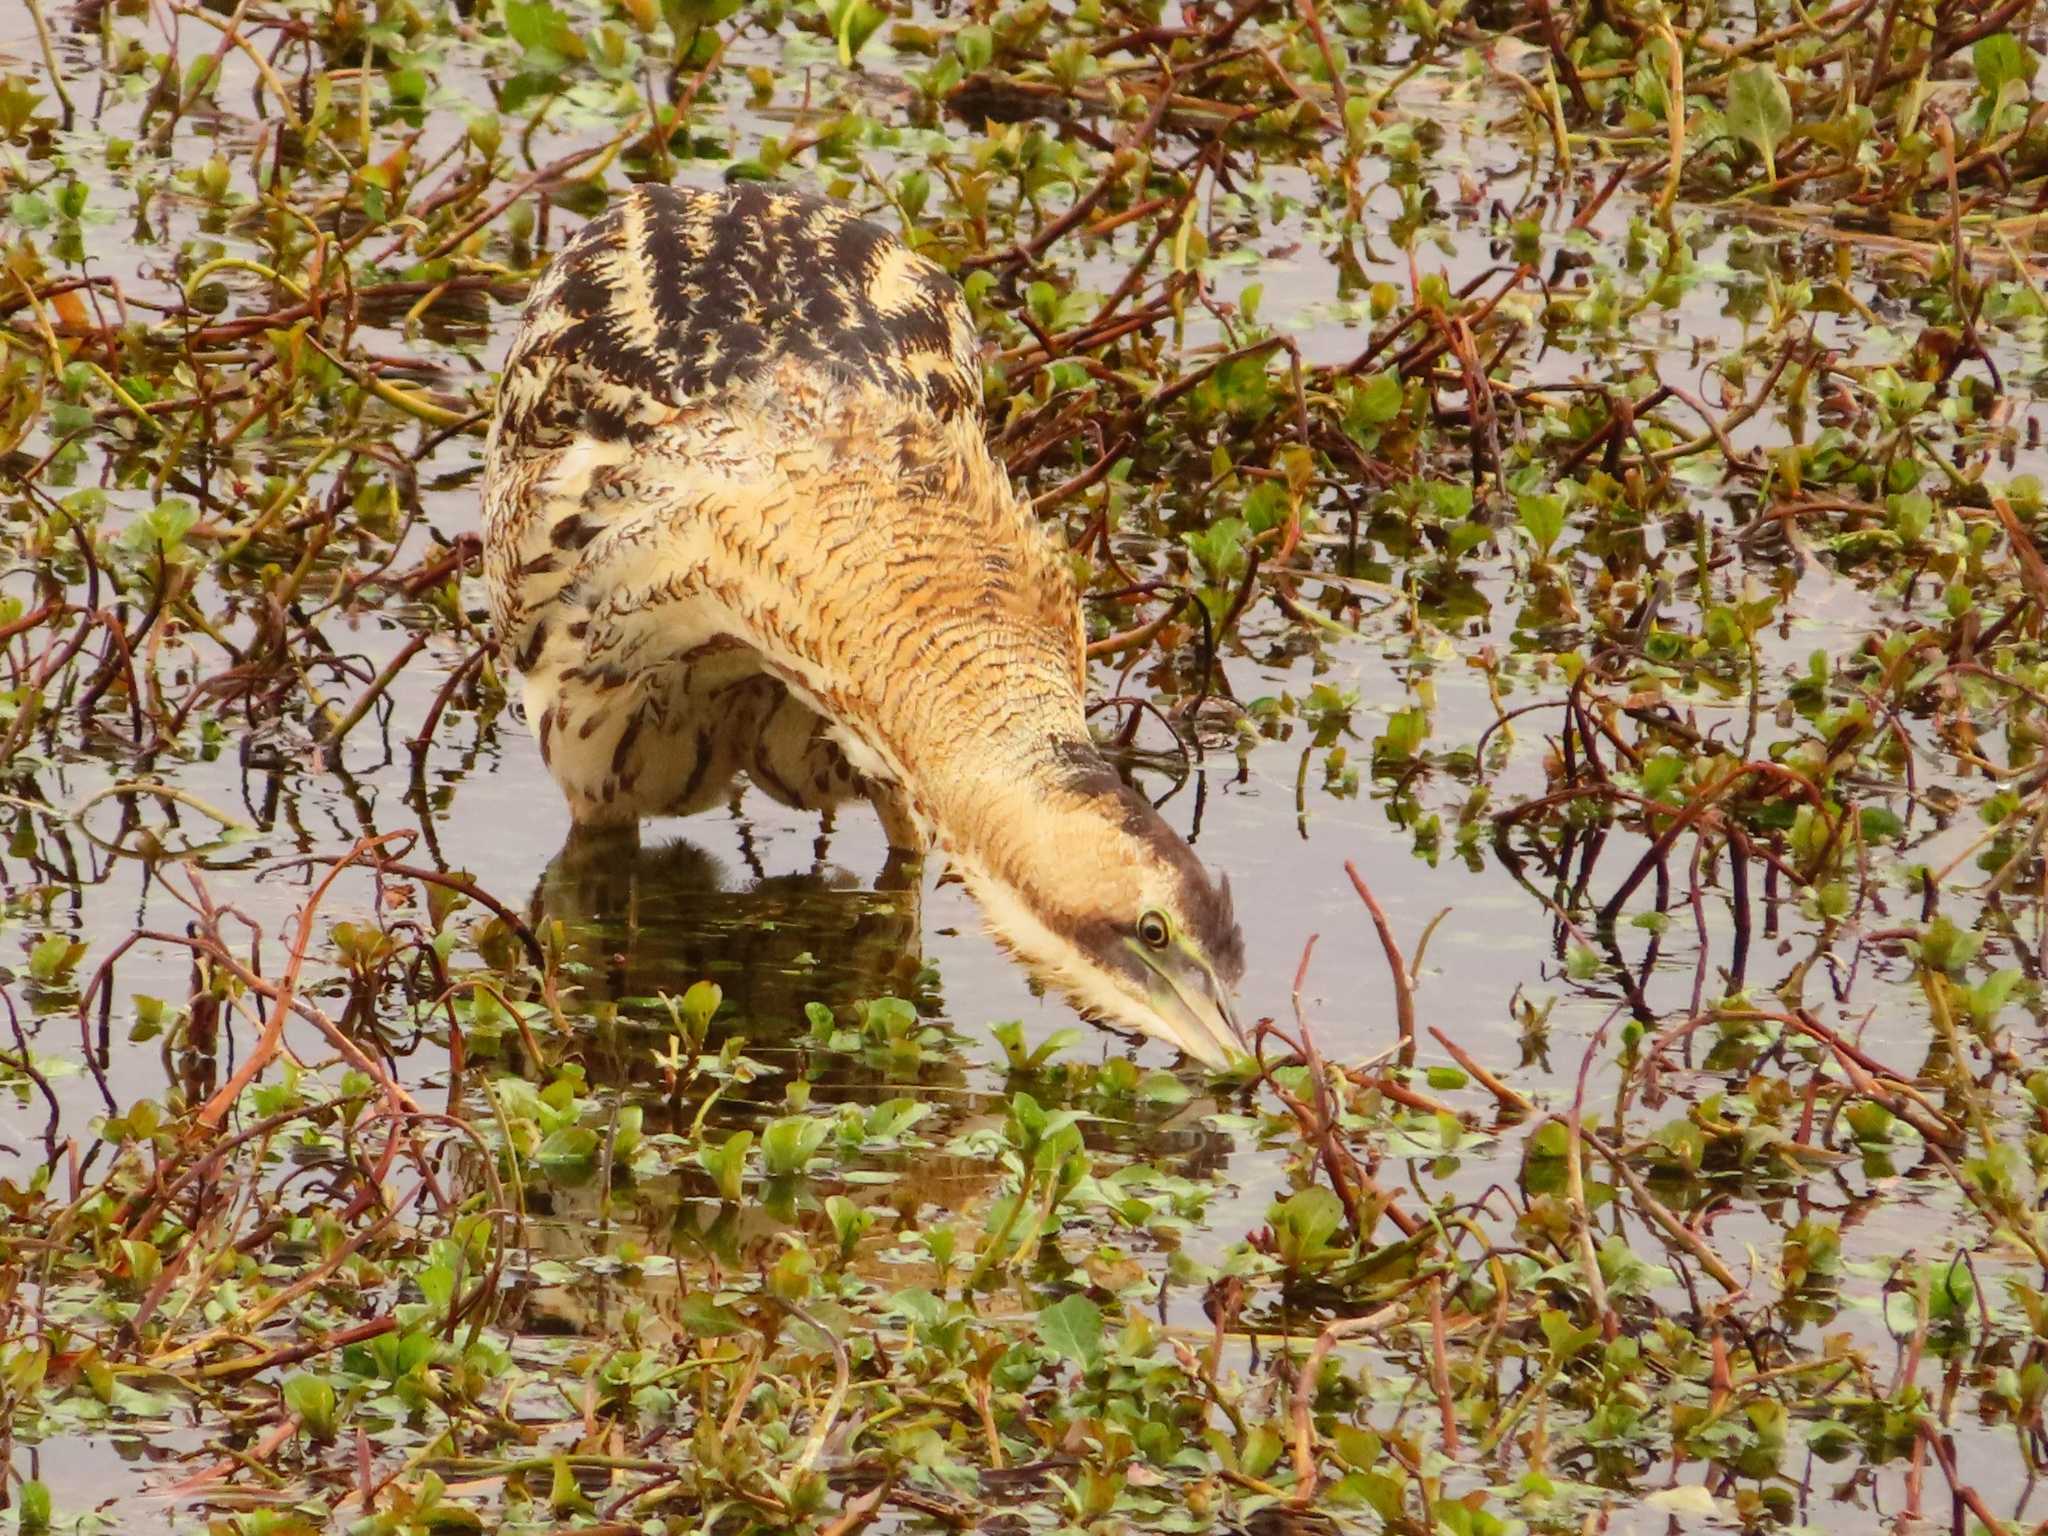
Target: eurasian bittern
x: 741, y: 431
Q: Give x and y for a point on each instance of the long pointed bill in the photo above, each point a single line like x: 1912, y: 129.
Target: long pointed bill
x: 1198, y: 1016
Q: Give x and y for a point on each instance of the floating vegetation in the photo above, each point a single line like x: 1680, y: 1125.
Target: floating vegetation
x: 1576, y: 465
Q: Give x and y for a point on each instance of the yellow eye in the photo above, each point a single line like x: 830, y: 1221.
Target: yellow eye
x: 1153, y: 930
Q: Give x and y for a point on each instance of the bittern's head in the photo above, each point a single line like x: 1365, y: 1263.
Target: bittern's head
x: 1105, y: 901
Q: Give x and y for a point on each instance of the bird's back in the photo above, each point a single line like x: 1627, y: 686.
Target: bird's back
x: 671, y: 314
x: 675, y: 295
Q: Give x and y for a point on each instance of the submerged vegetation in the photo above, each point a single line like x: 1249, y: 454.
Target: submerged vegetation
x: 1600, y: 438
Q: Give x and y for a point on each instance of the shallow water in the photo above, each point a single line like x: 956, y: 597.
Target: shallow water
x: 782, y: 911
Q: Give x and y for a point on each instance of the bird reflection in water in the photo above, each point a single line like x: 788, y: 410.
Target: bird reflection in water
x: 641, y: 918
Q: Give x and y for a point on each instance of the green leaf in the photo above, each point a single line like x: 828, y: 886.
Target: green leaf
x: 917, y: 1305
x: 853, y: 22
x: 1901, y: 1312
x: 565, y: 1494
x: 400, y: 1355
x: 1653, y: 71
x: 35, y: 1508
x: 1951, y: 1293
x: 627, y: 1130
x: 886, y: 1018
x: 1304, y: 1223
x: 162, y: 528
x: 1760, y: 112
x: 890, y: 1119
x: 543, y: 32
x: 2001, y: 59
x: 1262, y: 1448
x: 1542, y: 519
x: 1869, y: 1123
x: 1268, y: 505
x: 1162, y: 1087
x: 686, y: 17
x: 704, y: 1318
x: 1406, y: 731
x: 1988, y: 998
x: 311, y: 1399
x: 1055, y: 311
x: 1564, y: 1340
x: 54, y: 958
x: 451, y: 1520
x: 1374, y: 402
x: 437, y: 1285
x: 849, y: 1223
x: 1359, y: 1449
x: 1072, y: 1330
x: 701, y: 1002
x: 727, y: 1165
x: 572, y: 1147
x: 976, y: 45
x: 788, y: 1144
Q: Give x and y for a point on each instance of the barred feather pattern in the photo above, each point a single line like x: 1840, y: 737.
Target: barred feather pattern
x: 741, y: 431
x: 675, y: 295
x: 739, y: 434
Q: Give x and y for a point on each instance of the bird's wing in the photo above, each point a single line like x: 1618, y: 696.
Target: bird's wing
x: 675, y: 296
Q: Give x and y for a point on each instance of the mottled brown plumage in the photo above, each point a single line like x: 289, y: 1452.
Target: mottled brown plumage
x: 739, y: 433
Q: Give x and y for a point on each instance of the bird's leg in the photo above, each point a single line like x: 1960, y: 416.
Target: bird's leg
x: 592, y: 878
x: 902, y: 871
x: 748, y: 851
x: 908, y: 842
x: 589, y: 841
x: 899, y: 824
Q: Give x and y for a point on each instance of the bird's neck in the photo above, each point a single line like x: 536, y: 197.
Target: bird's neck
x: 886, y: 567
x: 1008, y: 785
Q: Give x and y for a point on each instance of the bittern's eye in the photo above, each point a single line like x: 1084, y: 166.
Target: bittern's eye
x: 1152, y: 929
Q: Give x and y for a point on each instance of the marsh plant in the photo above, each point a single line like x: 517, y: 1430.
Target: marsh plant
x: 1576, y: 466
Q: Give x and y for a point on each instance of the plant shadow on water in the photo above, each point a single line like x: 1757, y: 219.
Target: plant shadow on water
x: 1618, y: 526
